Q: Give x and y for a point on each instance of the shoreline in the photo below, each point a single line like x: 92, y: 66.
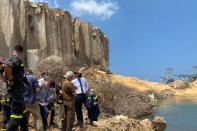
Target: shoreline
x: 188, y: 91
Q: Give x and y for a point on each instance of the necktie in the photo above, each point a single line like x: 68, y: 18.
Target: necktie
x: 81, y: 86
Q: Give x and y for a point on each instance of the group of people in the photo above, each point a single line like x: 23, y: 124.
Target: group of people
x: 26, y: 95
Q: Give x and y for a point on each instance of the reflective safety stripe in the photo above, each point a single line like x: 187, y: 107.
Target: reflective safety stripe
x: 16, y: 116
x: 25, y: 111
x: 4, y: 101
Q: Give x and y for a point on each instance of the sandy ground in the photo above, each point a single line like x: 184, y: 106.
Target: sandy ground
x: 134, y: 82
x: 139, y: 84
x: 189, y: 91
x: 154, y: 86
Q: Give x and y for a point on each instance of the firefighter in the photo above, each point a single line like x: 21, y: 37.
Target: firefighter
x: 14, y: 77
x: 4, y: 98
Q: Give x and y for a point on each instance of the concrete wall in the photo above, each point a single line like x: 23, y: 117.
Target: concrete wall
x: 46, y: 32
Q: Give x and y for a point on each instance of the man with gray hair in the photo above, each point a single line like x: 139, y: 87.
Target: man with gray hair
x: 68, y: 92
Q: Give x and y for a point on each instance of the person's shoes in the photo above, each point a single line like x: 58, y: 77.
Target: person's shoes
x: 93, y: 124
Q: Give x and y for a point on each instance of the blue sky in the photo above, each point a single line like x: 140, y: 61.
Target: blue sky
x: 146, y: 36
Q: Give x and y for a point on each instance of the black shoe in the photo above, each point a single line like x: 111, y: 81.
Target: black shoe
x: 81, y: 125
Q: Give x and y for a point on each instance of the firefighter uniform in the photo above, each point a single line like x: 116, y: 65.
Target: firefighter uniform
x: 5, y: 103
x: 14, y: 73
x: 6, y: 112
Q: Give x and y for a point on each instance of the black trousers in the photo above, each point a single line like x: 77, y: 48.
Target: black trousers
x: 51, y: 107
x: 24, y: 121
x: 6, y: 113
x: 43, y: 113
x: 17, y: 107
x: 79, y: 100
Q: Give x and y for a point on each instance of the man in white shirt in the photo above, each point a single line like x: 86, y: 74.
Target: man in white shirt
x: 82, y: 90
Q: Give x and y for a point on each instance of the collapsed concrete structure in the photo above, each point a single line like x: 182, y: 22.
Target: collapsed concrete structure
x: 47, y: 32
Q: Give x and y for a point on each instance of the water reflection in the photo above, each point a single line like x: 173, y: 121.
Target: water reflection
x: 180, y: 113
x: 177, y: 100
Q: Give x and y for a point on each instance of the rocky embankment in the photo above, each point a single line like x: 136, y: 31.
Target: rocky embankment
x: 184, y: 87
x: 123, y: 123
x: 117, y: 98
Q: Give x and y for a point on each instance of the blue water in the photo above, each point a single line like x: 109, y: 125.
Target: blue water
x: 180, y: 113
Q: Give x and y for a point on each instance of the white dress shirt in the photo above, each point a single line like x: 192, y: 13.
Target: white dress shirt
x: 41, y: 82
x: 77, y: 85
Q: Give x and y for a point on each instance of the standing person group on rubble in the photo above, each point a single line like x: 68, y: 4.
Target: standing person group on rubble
x: 24, y: 95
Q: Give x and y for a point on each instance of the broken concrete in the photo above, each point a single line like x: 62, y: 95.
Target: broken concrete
x: 51, y: 32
